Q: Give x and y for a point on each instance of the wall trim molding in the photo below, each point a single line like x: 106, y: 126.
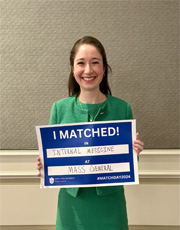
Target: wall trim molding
x: 142, y: 174
x: 161, y: 152
x: 12, y: 167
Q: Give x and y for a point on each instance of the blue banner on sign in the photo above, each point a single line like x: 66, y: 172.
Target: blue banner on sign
x: 88, y: 154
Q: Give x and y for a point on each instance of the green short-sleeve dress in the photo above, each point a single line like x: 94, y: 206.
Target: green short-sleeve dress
x: 89, y: 211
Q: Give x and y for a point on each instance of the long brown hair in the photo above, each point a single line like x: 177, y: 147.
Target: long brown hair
x: 73, y: 86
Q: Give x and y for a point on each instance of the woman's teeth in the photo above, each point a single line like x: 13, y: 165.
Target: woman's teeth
x: 88, y: 78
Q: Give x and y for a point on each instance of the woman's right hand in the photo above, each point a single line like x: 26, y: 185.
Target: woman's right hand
x: 39, y: 166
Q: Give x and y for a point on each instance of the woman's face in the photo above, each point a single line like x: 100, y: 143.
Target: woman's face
x: 88, y: 67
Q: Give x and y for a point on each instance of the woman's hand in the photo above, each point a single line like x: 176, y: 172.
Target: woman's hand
x: 39, y: 166
x: 138, y: 145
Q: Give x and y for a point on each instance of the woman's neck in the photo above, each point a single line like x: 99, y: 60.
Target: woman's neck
x: 91, y: 97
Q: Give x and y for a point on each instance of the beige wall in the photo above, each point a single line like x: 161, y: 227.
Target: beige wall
x: 141, y: 39
x: 154, y: 202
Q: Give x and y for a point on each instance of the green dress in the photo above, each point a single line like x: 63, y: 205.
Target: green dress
x: 89, y: 211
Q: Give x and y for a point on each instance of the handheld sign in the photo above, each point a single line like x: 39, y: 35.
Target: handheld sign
x: 88, y: 154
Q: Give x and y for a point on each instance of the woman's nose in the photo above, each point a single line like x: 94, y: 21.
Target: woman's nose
x: 88, y: 69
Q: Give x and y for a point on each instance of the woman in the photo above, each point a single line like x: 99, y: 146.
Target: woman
x: 90, y: 100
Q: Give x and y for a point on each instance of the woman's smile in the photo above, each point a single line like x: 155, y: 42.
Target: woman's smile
x: 89, y: 79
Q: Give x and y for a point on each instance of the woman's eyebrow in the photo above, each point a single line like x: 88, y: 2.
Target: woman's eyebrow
x: 96, y: 58
x: 82, y: 59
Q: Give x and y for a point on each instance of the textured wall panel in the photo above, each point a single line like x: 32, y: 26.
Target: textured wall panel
x: 141, y: 39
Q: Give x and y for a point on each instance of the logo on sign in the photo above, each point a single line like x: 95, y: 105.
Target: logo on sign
x: 51, y: 180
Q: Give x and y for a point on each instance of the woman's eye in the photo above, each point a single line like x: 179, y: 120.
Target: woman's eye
x: 80, y: 63
x: 95, y: 63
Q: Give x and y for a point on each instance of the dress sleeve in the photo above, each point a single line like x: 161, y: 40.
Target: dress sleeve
x: 129, y: 112
x: 53, y: 116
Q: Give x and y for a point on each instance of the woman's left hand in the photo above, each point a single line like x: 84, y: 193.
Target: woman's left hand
x: 138, y: 145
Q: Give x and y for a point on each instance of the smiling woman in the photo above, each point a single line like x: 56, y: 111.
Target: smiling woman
x: 90, y: 100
